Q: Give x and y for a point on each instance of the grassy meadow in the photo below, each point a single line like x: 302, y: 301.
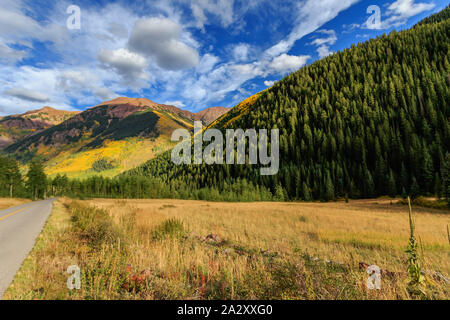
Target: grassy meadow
x: 176, y: 249
x: 6, y: 203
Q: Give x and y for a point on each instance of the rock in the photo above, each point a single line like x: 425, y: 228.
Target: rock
x: 212, y: 238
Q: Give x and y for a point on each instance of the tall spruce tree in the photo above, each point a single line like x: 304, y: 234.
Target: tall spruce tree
x: 446, y: 178
x: 36, y: 180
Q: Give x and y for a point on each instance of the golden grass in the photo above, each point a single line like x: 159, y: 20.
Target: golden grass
x: 269, y: 250
x: 371, y: 231
x: 6, y: 203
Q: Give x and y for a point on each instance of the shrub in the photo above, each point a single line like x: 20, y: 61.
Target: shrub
x: 93, y: 225
x: 171, y: 228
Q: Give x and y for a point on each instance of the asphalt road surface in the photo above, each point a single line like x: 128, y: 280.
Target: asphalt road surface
x: 19, y: 228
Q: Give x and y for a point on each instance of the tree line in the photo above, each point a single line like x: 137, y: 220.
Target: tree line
x: 34, y: 184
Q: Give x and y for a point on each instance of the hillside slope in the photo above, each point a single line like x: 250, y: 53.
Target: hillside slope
x: 370, y: 120
x: 106, y: 139
x: 209, y: 115
x: 16, y: 127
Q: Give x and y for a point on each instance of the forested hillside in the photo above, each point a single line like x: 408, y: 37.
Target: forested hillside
x: 371, y: 120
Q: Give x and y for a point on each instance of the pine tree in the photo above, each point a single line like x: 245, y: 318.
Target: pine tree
x: 279, y: 193
x: 13, y: 176
x: 415, y: 189
x: 36, y: 180
x: 329, y: 188
x: 306, y: 192
x: 427, y: 170
x: 446, y: 178
x: 404, y: 194
x: 391, y: 185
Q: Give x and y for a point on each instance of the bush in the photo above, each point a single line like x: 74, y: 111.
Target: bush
x: 423, y: 202
x: 93, y: 225
x: 171, y: 228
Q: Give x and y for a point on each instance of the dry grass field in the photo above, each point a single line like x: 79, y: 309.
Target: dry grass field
x: 11, y: 202
x: 160, y: 249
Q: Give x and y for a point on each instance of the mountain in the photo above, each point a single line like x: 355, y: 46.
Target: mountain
x: 209, y: 115
x: 371, y: 120
x: 105, y: 139
x: 16, y: 127
x: 206, y: 116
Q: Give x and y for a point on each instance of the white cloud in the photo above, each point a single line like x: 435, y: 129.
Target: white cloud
x: 399, y: 12
x: 330, y: 40
x: 159, y: 38
x: 241, y: 52
x: 28, y: 88
x: 207, y: 63
x: 350, y: 27
x: 177, y: 103
x: 26, y: 94
x: 118, y: 30
x: 9, y: 55
x: 215, y: 85
x: 324, y: 43
x: 268, y: 83
x: 84, y: 85
x: 104, y: 93
x: 324, y: 51
x: 128, y: 64
x: 15, y: 24
x: 223, y: 9
x: 286, y: 63
x: 75, y: 79
x: 312, y: 14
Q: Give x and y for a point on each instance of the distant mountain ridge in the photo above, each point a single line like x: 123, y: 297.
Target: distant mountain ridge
x: 19, y: 126
x: 207, y: 116
x: 123, y: 132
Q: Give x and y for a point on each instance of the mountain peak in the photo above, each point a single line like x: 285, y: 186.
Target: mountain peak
x: 141, y: 102
x: 49, y: 110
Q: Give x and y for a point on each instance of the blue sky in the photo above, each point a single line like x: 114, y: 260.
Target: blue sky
x: 192, y: 54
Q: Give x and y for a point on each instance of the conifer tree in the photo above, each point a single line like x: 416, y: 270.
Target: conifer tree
x: 36, y: 180
x: 446, y: 178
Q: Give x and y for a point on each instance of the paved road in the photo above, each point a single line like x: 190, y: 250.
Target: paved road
x: 19, y: 228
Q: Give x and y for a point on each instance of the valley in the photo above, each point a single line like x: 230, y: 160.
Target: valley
x: 358, y: 137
